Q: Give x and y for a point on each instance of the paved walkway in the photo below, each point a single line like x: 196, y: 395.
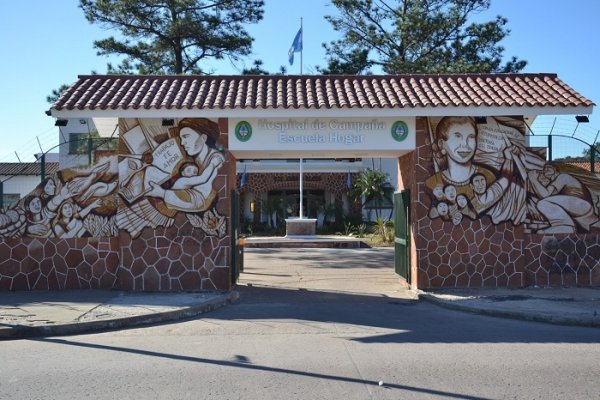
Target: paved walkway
x: 358, y: 271
x: 57, y: 313
x: 565, y: 306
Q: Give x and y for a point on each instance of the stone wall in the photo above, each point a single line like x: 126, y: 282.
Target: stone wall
x: 480, y: 253
x: 570, y: 260
x: 407, y: 166
x: 56, y: 264
x: 132, y: 236
x: 262, y: 183
x: 180, y: 257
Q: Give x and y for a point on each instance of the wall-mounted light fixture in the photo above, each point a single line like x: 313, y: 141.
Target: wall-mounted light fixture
x: 581, y: 119
x: 61, y: 122
x: 252, y: 206
x: 168, y: 122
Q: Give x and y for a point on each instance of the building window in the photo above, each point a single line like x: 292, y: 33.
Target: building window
x: 9, y: 199
x: 78, y: 142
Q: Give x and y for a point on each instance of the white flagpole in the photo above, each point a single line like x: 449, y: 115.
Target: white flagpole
x: 301, y: 189
x: 301, y: 41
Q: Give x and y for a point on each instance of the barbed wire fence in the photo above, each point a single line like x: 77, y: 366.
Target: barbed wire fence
x: 27, y: 150
x: 43, y: 144
x: 566, y: 140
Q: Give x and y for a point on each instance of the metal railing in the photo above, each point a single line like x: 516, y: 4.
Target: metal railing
x: 594, y: 153
x: 563, y: 138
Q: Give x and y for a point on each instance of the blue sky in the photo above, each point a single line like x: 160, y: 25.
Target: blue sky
x: 47, y: 43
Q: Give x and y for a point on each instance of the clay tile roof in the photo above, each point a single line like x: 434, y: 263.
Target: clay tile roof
x: 586, y: 165
x: 7, y: 169
x: 164, y: 92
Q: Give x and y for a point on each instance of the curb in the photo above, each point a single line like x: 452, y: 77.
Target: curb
x: 550, y: 319
x: 21, y: 332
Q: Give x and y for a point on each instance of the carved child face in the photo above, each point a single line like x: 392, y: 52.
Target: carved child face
x: 479, y: 184
x: 438, y: 191
x: 549, y: 171
x: 442, y: 209
x: 461, y: 200
x: 450, y: 193
x: 50, y: 188
x: 35, y: 205
x: 189, y: 170
x: 456, y: 218
x: 67, y: 210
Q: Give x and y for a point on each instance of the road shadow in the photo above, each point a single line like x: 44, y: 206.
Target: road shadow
x: 242, y: 362
x: 412, y: 321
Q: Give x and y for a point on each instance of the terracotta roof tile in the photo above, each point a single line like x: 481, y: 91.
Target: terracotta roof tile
x: 586, y: 165
x: 9, y: 169
x: 163, y: 92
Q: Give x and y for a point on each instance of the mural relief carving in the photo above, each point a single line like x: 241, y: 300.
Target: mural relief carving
x: 159, y: 172
x: 70, y: 204
x: 486, y: 170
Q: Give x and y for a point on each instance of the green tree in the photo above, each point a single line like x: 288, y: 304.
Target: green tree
x: 370, y: 187
x: 416, y: 36
x: 56, y: 93
x: 172, y: 36
x: 587, y: 153
x: 257, y: 69
x: 272, y: 209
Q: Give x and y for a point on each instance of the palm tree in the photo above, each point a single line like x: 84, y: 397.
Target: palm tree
x: 271, y: 207
x: 370, y: 187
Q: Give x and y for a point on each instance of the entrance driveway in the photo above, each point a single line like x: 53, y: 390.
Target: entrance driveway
x: 358, y: 271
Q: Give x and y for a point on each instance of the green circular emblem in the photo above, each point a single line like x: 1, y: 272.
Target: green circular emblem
x: 243, y: 131
x: 399, y: 131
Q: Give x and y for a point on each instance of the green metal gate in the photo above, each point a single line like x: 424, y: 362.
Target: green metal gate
x: 402, y: 235
x: 236, y: 254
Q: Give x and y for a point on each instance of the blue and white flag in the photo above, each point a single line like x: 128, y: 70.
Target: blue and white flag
x: 296, y: 46
x: 244, y: 177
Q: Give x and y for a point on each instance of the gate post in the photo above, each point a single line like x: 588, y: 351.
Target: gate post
x: 235, y: 234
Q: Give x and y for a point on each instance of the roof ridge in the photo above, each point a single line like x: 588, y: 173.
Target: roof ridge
x: 317, y: 76
x: 392, y: 91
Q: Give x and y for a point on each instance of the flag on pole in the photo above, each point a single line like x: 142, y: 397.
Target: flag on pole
x: 296, y: 46
x: 244, y: 177
x: 349, y: 181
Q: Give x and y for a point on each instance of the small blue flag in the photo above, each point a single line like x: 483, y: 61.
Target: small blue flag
x: 244, y: 177
x: 349, y: 181
x: 296, y: 46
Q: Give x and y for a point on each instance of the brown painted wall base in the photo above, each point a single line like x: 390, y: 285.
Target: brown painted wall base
x: 55, y: 264
x: 149, y: 263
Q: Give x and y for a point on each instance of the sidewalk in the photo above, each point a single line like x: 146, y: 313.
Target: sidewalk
x: 54, y: 313
x: 564, y: 306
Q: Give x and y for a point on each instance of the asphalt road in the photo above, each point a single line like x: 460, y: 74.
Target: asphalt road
x: 299, y: 343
